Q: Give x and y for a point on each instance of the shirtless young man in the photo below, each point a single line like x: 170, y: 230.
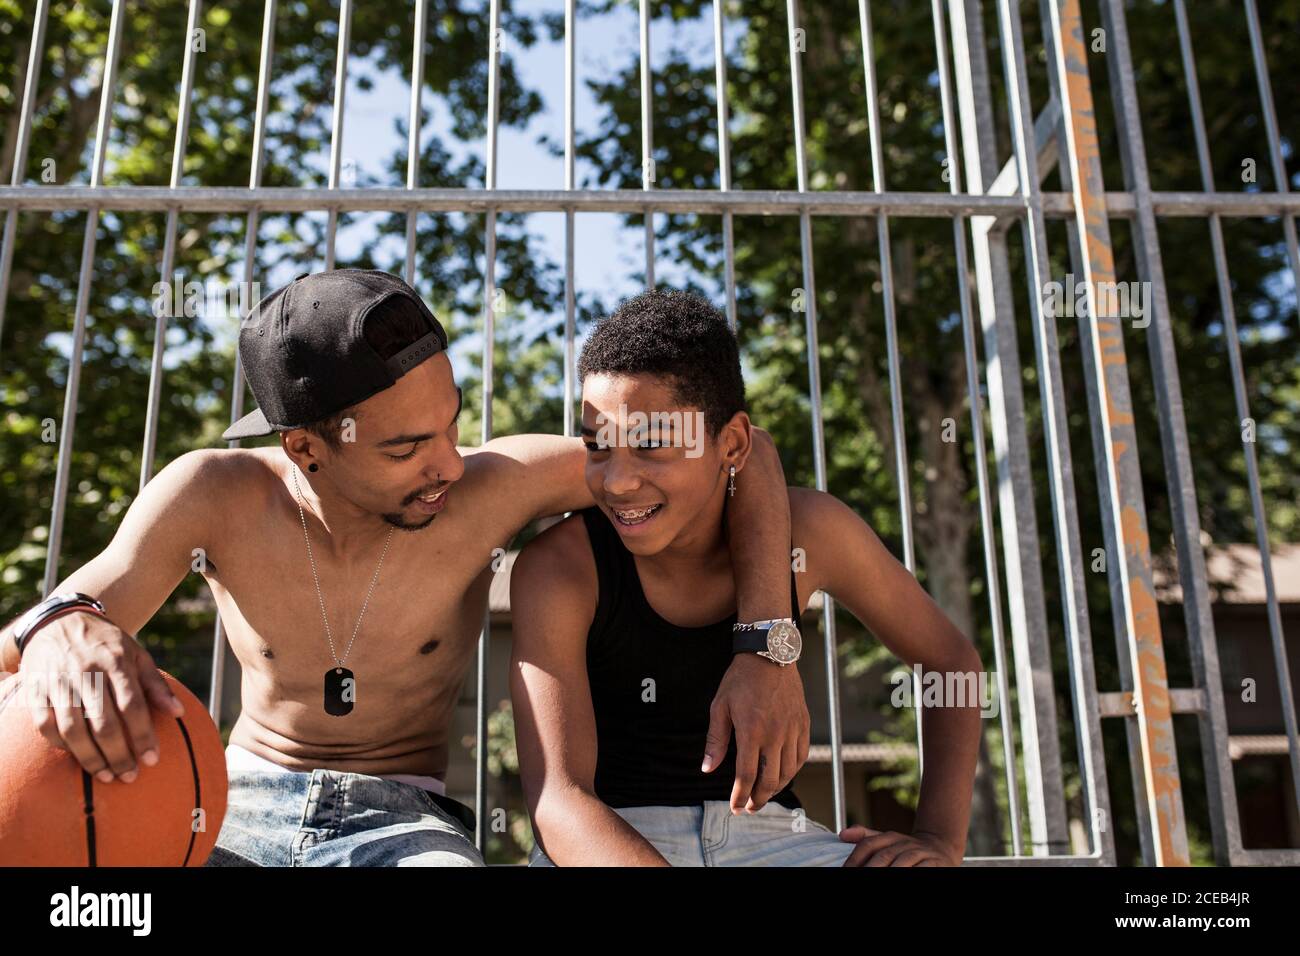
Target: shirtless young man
x: 636, y: 593
x: 350, y: 368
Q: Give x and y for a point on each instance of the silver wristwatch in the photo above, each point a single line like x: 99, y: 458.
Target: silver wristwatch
x: 53, y: 605
x: 778, y: 640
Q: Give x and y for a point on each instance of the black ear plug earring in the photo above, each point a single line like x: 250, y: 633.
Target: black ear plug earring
x: 313, y: 467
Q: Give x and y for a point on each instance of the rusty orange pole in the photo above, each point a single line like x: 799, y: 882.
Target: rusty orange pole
x: 1141, y: 644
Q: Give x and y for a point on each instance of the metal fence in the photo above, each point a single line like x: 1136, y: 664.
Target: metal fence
x: 996, y: 197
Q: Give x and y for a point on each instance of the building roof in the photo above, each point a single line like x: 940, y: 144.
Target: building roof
x: 1235, y: 575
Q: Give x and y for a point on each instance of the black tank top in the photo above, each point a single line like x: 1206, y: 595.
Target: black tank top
x: 650, y: 736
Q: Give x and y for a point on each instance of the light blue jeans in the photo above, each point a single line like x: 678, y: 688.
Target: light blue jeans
x: 332, y: 818
x: 708, y: 835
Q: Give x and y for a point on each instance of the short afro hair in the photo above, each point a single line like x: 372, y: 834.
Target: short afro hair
x: 677, y: 335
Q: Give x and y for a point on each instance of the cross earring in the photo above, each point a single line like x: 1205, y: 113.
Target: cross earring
x: 731, y: 481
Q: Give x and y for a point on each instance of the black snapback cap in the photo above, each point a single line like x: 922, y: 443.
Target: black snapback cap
x: 305, y: 354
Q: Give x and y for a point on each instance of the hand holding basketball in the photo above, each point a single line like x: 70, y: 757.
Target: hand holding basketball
x: 79, y: 649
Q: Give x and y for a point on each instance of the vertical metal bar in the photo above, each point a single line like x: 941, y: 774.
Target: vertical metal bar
x: 169, y: 249
x: 413, y: 132
x: 891, y: 334
x: 217, y: 683
x: 977, y: 426
x: 1021, y: 556
x: 570, y: 292
x: 20, y: 148
x: 647, y: 140
x: 68, y: 429
x: 489, y: 343
x: 1083, y: 676
x: 1218, y: 764
x: 1112, y: 405
x: 1283, y: 185
x: 815, y: 396
x: 336, y: 134
x: 887, y: 283
x: 724, y: 161
x: 1039, y: 708
x: 1173, y: 427
x: 263, y: 97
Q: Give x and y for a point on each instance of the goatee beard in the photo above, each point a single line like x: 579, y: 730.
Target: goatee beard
x: 397, y: 521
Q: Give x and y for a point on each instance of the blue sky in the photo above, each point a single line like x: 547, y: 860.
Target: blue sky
x: 607, y: 256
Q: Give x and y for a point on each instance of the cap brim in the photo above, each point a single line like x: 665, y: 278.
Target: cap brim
x: 252, y: 425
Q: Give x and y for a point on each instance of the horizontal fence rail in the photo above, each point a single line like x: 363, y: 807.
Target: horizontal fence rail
x: 750, y: 202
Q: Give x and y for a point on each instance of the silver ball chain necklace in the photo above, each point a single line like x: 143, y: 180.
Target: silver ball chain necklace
x: 340, y: 683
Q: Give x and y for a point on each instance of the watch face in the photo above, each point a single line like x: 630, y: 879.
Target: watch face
x: 784, y: 642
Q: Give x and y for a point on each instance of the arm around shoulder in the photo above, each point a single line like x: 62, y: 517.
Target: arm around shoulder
x: 541, y: 475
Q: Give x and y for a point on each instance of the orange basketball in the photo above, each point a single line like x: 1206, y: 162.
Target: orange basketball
x: 54, y: 814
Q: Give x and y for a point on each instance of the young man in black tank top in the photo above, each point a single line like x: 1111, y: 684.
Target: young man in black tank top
x: 623, y: 619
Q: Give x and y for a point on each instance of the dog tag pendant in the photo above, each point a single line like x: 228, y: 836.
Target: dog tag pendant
x: 340, y: 691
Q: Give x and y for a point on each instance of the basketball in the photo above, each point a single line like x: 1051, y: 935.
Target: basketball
x: 52, y: 813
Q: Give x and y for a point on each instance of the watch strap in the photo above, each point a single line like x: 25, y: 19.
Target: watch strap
x: 752, y: 637
x: 752, y: 640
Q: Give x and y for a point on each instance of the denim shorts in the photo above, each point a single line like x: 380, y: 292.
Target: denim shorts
x: 333, y: 818
x: 709, y: 835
